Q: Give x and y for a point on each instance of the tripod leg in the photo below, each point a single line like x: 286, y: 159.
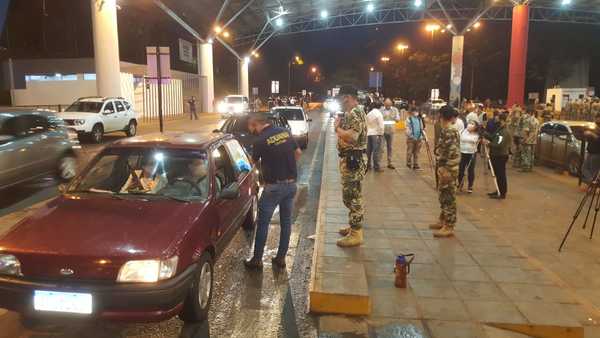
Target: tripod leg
x: 594, y: 197
x: 595, y: 216
x: 577, y: 213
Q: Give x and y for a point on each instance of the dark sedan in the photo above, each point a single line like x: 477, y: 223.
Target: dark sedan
x: 134, y: 237
x: 559, y: 143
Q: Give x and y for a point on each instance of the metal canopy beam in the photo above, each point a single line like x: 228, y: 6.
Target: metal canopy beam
x: 179, y: 20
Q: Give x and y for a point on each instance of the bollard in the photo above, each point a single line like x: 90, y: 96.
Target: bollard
x: 402, y: 269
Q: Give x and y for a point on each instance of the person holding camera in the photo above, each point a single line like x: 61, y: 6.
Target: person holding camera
x: 351, y: 131
x: 499, y: 143
x: 591, y: 164
x: 448, y: 158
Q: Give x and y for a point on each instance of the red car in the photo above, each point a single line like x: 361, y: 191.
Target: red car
x: 134, y: 237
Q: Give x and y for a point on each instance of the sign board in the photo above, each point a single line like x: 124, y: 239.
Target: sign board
x: 186, y: 51
x: 533, y: 96
x: 165, y: 65
x: 375, y: 79
x: 255, y: 91
x: 435, y: 94
x: 335, y: 91
x: 591, y: 91
x: 274, y: 87
x: 303, y: 92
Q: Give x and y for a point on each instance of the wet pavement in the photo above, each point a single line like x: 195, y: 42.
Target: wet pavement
x: 245, y: 304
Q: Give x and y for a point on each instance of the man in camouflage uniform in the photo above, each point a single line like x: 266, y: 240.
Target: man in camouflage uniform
x: 515, y: 129
x: 529, y: 134
x: 351, y: 130
x: 448, y: 157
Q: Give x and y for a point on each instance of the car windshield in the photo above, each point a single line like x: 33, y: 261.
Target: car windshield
x: 85, y: 106
x: 291, y: 114
x: 233, y: 99
x: 180, y: 175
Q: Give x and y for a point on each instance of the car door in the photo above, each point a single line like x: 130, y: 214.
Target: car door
x: 545, y: 142
x: 560, y: 143
x: 224, y: 177
x: 26, y: 152
x: 110, y: 118
x: 242, y: 170
x: 121, y: 113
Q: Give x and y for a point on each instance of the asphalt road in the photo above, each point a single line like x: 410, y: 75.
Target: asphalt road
x: 245, y: 304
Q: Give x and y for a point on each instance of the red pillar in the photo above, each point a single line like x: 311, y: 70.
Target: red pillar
x: 518, y: 55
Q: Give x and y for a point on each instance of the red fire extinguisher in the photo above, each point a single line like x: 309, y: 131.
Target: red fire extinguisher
x: 402, y: 269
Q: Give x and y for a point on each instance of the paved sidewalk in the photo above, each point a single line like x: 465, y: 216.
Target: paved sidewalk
x: 466, y: 286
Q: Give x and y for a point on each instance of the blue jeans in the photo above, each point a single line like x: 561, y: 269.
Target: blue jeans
x: 273, y: 195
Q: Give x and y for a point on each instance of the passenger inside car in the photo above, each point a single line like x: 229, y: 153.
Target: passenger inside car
x: 192, y: 184
x: 149, y: 179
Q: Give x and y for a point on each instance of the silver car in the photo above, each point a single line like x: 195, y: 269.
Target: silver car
x: 34, y: 144
x: 559, y: 144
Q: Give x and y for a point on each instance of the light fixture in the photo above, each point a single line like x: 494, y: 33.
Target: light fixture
x: 401, y: 47
x: 432, y: 27
x: 418, y: 3
x: 246, y: 59
x: 226, y: 34
x: 218, y: 29
x: 370, y: 7
x: 443, y: 31
x: 313, y: 69
x: 324, y: 14
x: 477, y: 25
x: 372, y: 69
x: 279, y: 22
x: 210, y: 40
x: 565, y: 2
x: 385, y: 59
x: 449, y: 26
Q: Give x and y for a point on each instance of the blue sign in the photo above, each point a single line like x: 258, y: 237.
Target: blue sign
x: 375, y: 79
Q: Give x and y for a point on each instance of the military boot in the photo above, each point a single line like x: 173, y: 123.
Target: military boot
x: 354, y: 238
x: 436, y: 226
x: 444, y: 232
x: 344, y: 231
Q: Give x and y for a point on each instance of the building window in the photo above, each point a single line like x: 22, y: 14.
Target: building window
x: 89, y: 76
x: 55, y: 77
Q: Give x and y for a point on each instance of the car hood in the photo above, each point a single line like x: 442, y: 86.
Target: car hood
x: 73, y: 115
x: 298, y: 126
x: 101, y: 226
x: 80, y: 230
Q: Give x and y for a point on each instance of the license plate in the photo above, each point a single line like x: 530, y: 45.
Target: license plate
x: 62, y: 302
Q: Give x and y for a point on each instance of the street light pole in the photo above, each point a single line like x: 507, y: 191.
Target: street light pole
x: 289, y: 78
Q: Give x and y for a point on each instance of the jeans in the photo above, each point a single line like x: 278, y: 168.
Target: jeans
x: 467, y: 162
x: 389, y: 138
x: 413, y: 147
x: 374, y: 150
x: 499, y: 165
x: 273, y: 195
x: 193, y: 114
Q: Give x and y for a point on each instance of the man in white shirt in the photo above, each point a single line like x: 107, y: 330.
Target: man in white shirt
x: 390, y: 117
x: 375, y: 129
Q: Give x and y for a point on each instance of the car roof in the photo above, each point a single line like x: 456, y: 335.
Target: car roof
x: 12, y: 111
x: 98, y: 99
x: 573, y: 123
x: 174, y: 140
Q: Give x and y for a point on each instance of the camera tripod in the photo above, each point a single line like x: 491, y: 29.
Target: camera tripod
x: 592, y: 201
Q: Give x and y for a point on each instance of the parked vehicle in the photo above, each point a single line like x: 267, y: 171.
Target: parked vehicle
x: 436, y: 104
x: 135, y: 236
x: 332, y: 106
x: 233, y: 105
x: 400, y: 103
x: 93, y: 117
x: 34, y: 144
x: 238, y: 127
x: 559, y: 143
x: 298, y: 122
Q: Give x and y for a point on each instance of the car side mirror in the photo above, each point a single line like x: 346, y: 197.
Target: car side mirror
x: 107, y: 112
x: 6, y: 138
x: 231, y: 192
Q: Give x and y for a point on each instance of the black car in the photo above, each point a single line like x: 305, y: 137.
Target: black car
x: 238, y: 127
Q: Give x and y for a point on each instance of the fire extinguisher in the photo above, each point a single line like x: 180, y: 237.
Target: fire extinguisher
x: 402, y: 269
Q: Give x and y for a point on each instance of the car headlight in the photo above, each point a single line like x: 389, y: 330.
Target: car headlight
x: 238, y: 108
x: 10, y: 265
x: 333, y: 106
x: 79, y: 122
x: 147, y: 271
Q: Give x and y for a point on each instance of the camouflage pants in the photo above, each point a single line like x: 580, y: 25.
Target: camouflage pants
x: 352, y: 197
x: 518, y: 155
x: 527, y: 156
x: 447, y: 197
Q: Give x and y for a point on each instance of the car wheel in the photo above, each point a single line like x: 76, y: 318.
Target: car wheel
x: 67, y: 167
x: 252, y: 216
x: 197, y: 302
x: 131, y: 129
x: 573, y: 166
x: 97, y: 133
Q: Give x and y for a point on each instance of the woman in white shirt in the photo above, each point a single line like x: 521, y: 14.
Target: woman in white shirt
x: 375, y: 129
x: 469, y: 138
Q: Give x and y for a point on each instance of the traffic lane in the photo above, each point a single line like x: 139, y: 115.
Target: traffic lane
x: 245, y: 304
x: 28, y: 194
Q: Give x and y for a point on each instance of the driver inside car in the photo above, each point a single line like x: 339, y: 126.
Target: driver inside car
x: 193, y: 184
x: 145, y: 180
